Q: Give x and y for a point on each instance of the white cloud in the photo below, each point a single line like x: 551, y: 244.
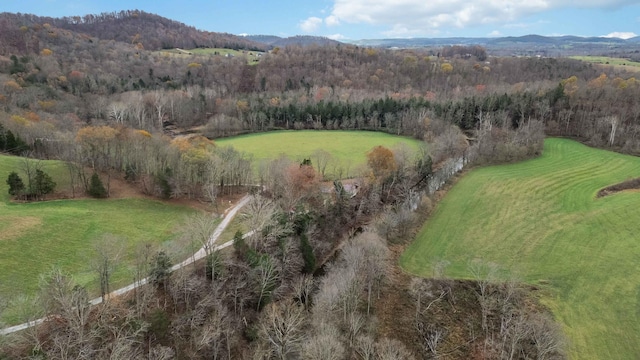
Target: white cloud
x: 418, y: 17
x: 621, y: 35
x: 495, y: 33
x: 311, y: 24
x: 336, y: 37
x: 332, y: 20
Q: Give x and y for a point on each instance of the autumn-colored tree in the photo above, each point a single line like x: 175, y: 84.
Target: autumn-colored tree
x: 381, y: 162
x: 301, y: 182
x: 96, y: 139
x: 570, y: 85
x: 446, y: 68
x: 196, y: 159
x: 12, y: 86
x: 598, y: 82
x: 303, y: 177
x: 76, y: 76
x: 98, y: 144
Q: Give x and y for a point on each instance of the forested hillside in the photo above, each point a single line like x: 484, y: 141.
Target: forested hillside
x: 144, y: 30
x: 317, y: 279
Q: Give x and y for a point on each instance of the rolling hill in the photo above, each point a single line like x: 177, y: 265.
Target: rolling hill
x: 153, y: 32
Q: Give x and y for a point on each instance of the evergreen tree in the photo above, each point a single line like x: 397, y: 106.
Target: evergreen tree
x: 14, y: 144
x: 96, y: 188
x: 3, y: 139
x: 307, y: 254
x: 16, y: 186
x: 42, y: 184
x: 160, y: 269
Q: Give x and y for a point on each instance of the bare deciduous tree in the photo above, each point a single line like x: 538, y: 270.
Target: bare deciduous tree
x: 365, y: 347
x: 614, y: 122
x: 265, y: 276
x: 282, y: 327
x: 160, y: 352
x: 198, y: 228
x: 391, y: 349
x: 425, y: 294
x: 61, y: 297
x: 107, y: 252
x: 118, y: 112
x: 185, y: 288
x: 514, y: 333
x: 485, y: 274
x: 258, y: 214
x: 302, y: 288
x: 142, y: 261
x: 321, y: 159
x: 324, y: 345
x: 239, y: 286
x: 432, y: 336
x: 547, y: 337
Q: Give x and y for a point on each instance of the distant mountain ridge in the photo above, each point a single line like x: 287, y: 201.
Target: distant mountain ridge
x: 302, y: 40
x: 516, y: 45
x: 537, y: 39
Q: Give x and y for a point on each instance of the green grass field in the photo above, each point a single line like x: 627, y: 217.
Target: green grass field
x: 604, y: 60
x: 36, y: 236
x: 348, y: 149
x: 540, y: 219
x: 252, y: 56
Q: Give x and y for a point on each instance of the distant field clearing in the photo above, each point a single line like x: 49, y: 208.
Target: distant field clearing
x: 611, y: 61
x: 541, y: 219
x: 348, y: 149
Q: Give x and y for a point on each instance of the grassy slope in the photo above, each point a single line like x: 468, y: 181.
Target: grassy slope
x: 540, y: 219
x: 348, y: 148
x: 250, y: 55
x: 39, y: 235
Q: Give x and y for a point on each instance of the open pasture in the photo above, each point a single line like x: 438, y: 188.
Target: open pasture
x: 36, y: 236
x: 541, y: 220
x: 348, y: 149
x: 605, y: 60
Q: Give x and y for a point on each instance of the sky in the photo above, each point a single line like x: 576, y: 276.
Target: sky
x: 372, y: 19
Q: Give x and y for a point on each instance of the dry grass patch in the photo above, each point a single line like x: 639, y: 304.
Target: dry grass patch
x: 12, y: 227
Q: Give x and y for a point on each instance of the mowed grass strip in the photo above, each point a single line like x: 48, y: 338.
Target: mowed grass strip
x: 540, y: 219
x: 37, y: 236
x: 348, y: 149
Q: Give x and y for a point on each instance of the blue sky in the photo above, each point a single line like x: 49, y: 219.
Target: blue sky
x: 372, y: 19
